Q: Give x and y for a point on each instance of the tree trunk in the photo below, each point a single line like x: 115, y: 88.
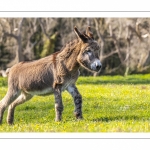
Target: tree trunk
x: 127, y: 60
x: 19, y: 54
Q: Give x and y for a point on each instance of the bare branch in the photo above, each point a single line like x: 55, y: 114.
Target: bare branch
x: 136, y: 32
x: 11, y: 35
x: 114, y: 69
x: 101, y: 37
x: 20, y: 25
x: 42, y: 27
x: 116, y: 44
x: 110, y: 54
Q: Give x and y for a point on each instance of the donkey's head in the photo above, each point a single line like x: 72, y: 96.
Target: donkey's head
x: 89, y: 51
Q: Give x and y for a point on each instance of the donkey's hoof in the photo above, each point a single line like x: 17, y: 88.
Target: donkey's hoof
x: 10, y: 122
x: 78, y: 116
x: 57, y: 119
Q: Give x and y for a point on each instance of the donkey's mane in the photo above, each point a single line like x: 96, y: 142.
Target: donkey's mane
x: 67, y: 49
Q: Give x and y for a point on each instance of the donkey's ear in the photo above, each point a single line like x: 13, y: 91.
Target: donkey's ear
x: 89, y: 33
x: 80, y: 35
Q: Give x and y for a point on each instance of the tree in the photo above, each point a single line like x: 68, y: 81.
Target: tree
x: 13, y: 28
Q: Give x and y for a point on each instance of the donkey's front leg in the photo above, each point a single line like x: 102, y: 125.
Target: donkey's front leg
x: 58, y: 103
x: 77, y: 100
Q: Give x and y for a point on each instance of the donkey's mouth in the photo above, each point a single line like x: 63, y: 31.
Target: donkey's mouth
x: 97, y: 69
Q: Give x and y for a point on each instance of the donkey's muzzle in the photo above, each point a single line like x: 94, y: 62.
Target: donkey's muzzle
x: 96, y: 65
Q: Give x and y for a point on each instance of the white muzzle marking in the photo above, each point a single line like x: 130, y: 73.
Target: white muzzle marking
x: 96, y: 65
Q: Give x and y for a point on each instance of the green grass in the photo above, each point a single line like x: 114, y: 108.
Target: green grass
x: 110, y: 104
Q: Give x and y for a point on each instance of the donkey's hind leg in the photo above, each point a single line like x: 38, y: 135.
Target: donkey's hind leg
x: 10, y: 96
x: 20, y: 100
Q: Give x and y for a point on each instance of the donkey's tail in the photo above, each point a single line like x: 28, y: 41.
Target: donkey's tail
x: 7, y: 71
x: 4, y: 73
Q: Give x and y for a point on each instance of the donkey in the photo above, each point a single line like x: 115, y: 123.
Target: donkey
x: 52, y: 75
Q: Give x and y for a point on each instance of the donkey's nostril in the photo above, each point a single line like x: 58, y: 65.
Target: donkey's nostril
x: 98, y: 67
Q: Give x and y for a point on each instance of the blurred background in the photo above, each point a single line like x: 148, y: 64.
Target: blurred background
x: 124, y: 42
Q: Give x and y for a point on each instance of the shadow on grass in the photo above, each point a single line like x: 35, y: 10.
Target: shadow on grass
x: 131, y: 79
x: 114, y: 80
x: 121, y: 118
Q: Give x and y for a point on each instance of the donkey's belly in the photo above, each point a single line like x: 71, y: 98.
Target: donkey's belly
x: 46, y: 91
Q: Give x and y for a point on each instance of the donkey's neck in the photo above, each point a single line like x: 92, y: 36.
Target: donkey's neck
x: 68, y: 56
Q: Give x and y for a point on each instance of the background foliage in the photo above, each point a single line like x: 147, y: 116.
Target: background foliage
x: 124, y: 42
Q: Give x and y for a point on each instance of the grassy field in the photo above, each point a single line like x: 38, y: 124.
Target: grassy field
x: 110, y: 104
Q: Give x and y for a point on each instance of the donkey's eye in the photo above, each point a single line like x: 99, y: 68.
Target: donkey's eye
x: 88, y: 51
